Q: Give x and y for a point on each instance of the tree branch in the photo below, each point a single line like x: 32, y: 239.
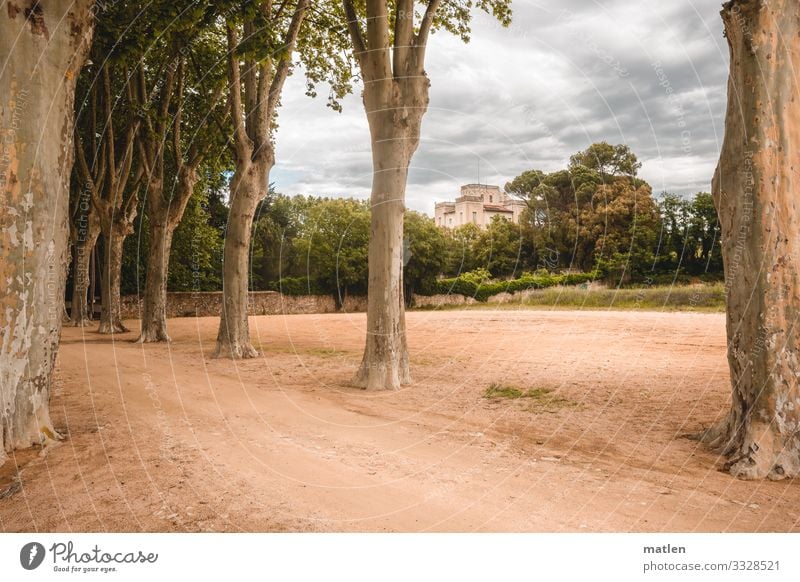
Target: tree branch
x: 242, y: 144
x: 127, y: 159
x: 282, y: 69
x: 108, y: 130
x: 176, y: 122
x: 214, y: 100
x: 378, y: 63
x: 356, y: 36
x: 403, y: 36
x: 421, y: 41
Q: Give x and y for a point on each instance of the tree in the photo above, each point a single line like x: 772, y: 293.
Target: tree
x: 755, y: 192
x: 704, y: 228
x: 281, y: 222
x: 333, y: 250
x: 617, y: 160
x: 178, y: 135
x: 106, y: 171
x: 196, y: 250
x: 460, y: 256
x: 271, y: 33
x: 624, y: 226
x: 424, y: 254
x: 84, y: 230
x: 42, y: 58
x: 499, y: 248
x: 389, y: 43
x: 558, y: 206
x: 675, y: 214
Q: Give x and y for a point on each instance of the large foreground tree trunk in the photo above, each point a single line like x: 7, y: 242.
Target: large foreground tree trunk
x: 248, y: 187
x: 755, y: 190
x: 43, y: 47
x: 84, y: 247
x: 110, y: 313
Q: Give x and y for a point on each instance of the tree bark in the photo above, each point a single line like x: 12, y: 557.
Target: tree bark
x: 165, y: 216
x: 252, y: 113
x: 755, y: 188
x: 385, y: 362
x: 43, y: 46
x: 395, y: 108
x: 110, y: 313
x: 154, y: 302
x: 248, y: 187
x: 84, y: 247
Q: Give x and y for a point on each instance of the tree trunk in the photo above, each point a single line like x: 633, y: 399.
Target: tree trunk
x: 248, y: 188
x: 154, y: 307
x: 394, y: 111
x: 43, y: 48
x: 755, y: 191
x: 385, y: 362
x: 165, y: 218
x: 110, y: 313
x: 87, y: 238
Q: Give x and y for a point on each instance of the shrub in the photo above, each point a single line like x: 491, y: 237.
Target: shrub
x: 295, y: 286
x: 475, y: 284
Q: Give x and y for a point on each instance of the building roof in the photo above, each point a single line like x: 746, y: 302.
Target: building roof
x: 497, y: 208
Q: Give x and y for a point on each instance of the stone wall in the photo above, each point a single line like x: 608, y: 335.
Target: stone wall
x: 205, y: 304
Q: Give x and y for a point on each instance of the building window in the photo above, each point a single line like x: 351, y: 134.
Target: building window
x: 490, y: 198
x: 451, y: 222
x: 474, y: 218
x: 460, y: 218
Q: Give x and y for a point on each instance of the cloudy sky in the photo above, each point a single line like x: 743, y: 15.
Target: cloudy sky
x: 647, y: 73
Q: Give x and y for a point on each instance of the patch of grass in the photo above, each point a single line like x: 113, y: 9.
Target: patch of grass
x: 298, y: 350
x: 496, y: 390
x: 540, y: 399
x: 698, y: 298
x: 325, y: 352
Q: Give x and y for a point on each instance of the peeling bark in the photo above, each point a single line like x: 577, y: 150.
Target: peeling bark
x: 165, y: 216
x: 110, y: 313
x: 79, y: 314
x: 252, y: 114
x: 113, y: 194
x: 396, y: 91
x: 755, y: 189
x: 248, y: 187
x: 154, y: 302
x: 385, y: 362
x: 45, y: 48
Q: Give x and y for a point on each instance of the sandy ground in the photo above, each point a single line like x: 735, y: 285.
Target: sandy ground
x: 164, y: 438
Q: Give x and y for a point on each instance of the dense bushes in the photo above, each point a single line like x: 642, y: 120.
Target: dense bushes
x: 296, y: 286
x: 477, y: 284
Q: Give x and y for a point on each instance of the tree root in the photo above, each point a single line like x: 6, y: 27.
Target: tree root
x: 106, y: 327
x: 235, y: 351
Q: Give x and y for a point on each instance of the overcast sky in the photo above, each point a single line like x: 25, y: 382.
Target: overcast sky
x: 647, y: 73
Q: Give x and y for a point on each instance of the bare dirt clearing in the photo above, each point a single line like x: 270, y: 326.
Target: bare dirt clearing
x: 163, y: 438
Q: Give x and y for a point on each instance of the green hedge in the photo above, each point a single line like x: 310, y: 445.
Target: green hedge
x: 470, y: 285
x: 295, y: 286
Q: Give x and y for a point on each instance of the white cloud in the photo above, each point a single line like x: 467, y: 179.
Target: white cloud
x: 530, y: 96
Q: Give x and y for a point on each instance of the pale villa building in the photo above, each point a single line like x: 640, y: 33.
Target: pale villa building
x: 477, y: 204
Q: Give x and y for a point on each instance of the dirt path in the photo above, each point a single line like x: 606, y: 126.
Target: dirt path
x: 163, y: 438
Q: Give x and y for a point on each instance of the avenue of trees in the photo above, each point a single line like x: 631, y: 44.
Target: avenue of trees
x: 169, y: 112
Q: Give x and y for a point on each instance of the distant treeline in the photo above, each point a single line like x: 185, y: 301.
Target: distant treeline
x: 594, y: 218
